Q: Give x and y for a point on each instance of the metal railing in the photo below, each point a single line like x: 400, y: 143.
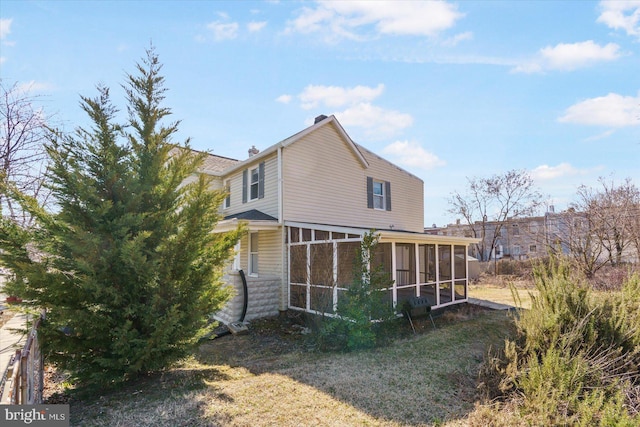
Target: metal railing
x: 27, y: 376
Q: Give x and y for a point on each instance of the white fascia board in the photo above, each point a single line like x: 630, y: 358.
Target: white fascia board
x: 232, y: 224
x: 386, y: 235
x: 293, y: 138
x: 395, y: 236
x: 327, y: 227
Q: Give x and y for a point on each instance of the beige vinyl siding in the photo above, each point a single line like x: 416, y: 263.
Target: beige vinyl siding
x: 215, y: 184
x: 269, y: 253
x: 268, y: 204
x: 325, y: 183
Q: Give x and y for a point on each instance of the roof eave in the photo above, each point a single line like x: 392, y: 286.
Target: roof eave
x: 293, y: 138
x: 252, y: 225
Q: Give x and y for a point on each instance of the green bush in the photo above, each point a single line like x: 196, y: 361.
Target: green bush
x: 364, y: 314
x: 576, y: 355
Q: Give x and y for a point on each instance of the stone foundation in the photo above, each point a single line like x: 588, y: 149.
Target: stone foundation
x: 263, y: 298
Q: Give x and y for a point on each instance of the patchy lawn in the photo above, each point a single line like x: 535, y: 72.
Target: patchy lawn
x: 498, y: 289
x: 274, y: 376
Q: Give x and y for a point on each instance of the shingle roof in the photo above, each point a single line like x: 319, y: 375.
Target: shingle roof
x: 216, y: 164
x: 212, y: 164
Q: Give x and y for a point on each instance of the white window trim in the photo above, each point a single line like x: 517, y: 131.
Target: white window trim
x: 382, y: 196
x: 236, y: 257
x: 256, y: 183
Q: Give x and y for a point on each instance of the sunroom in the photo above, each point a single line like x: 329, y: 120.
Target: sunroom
x: 321, y: 261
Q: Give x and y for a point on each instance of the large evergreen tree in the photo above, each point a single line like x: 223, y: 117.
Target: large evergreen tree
x: 127, y: 267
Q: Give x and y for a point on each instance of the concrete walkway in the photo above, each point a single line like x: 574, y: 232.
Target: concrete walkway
x: 492, y: 305
x: 10, y: 340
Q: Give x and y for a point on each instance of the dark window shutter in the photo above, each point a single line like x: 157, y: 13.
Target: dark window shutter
x: 261, y: 181
x: 244, y: 186
x: 370, y: 192
x: 387, y: 192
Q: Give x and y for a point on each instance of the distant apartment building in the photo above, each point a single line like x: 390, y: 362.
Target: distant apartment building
x: 518, y: 238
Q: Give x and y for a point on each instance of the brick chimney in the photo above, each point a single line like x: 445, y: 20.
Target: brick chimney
x: 253, y: 151
x: 320, y: 118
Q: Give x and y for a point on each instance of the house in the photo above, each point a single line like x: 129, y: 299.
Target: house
x: 307, y: 201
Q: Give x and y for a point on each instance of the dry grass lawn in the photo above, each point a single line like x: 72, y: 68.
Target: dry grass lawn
x: 279, y: 380
x: 499, y: 289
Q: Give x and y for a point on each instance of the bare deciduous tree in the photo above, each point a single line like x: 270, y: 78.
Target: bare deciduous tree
x: 489, y: 202
x: 606, y: 225
x: 23, y: 130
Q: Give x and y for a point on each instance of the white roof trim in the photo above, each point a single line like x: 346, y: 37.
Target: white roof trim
x: 326, y: 227
x: 293, y: 138
x: 252, y: 225
x: 331, y: 119
x: 386, y: 235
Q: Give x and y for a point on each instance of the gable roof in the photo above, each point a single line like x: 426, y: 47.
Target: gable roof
x: 331, y: 120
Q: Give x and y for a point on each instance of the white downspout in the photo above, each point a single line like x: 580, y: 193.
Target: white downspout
x: 284, y: 287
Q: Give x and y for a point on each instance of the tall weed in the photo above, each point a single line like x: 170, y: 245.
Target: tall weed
x: 576, y: 354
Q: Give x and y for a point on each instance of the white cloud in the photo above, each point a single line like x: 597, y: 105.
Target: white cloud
x: 412, y: 155
x: 285, y: 99
x: 611, y: 110
x: 335, y: 96
x: 603, y: 135
x: 570, y: 56
x: 5, y: 27
x: 453, y: 41
x: 621, y: 15
x: 254, y: 27
x: 32, y: 86
x: 378, y: 123
x: 546, y: 172
x: 350, y: 19
x: 223, y: 31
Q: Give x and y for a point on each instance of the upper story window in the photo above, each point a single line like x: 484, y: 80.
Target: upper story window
x: 227, y: 189
x: 378, y: 194
x: 253, y: 183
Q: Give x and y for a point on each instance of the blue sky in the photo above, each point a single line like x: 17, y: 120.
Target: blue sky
x: 447, y: 90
